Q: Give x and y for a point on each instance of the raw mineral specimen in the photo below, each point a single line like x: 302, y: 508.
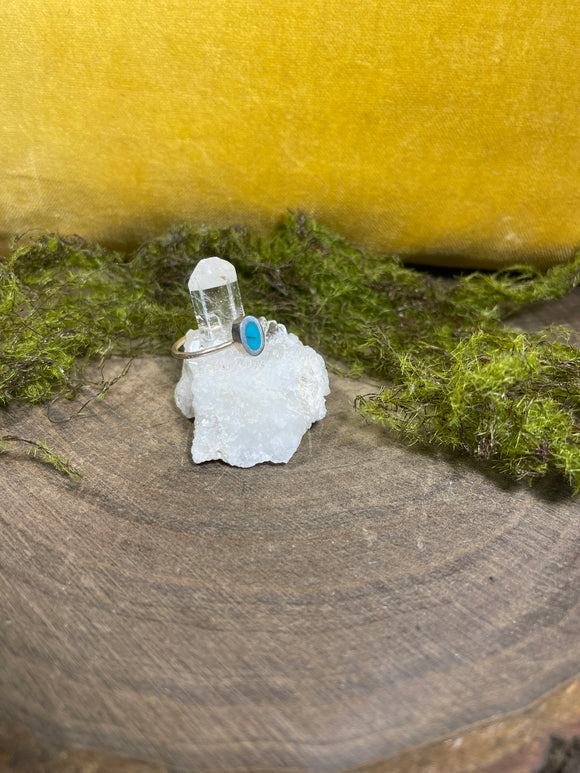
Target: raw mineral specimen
x: 252, y: 409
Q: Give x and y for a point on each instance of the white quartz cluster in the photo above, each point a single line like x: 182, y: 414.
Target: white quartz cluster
x: 252, y: 409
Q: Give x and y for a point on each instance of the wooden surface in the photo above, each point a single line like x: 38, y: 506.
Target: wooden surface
x: 354, y: 605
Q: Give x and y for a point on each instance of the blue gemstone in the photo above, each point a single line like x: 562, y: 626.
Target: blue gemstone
x: 253, y: 336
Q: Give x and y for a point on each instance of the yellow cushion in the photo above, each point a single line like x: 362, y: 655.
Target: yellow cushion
x: 448, y: 129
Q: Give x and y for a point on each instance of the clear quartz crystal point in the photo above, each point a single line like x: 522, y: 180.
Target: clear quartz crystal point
x: 216, y: 299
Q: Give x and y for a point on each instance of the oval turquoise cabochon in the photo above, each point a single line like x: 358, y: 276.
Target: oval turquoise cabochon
x: 253, y: 336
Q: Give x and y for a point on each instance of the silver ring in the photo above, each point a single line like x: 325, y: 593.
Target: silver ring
x: 199, y: 352
x: 247, y: 336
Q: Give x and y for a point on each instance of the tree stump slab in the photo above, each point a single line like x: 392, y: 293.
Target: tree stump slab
x: 363, y: 600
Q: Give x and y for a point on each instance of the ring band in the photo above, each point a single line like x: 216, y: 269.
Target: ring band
x: 199, y: 352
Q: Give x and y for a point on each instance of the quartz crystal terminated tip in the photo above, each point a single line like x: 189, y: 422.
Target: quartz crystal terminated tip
x: 215, y: 295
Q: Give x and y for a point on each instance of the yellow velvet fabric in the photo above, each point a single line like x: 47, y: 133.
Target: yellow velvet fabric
x: 443, y: 128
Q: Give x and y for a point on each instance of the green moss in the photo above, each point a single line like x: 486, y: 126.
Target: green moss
x: 508, y: 398
x: 454, y: 375
x: 39, y: 450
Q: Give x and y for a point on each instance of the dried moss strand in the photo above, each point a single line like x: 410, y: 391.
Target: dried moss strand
x: 39, y: 450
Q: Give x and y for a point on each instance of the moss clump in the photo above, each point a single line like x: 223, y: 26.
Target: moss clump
x: 62, y: 301
x: 453, y: 374
x: 512, y: 399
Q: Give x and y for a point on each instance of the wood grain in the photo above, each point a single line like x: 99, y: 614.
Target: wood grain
x: 361, y: 601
